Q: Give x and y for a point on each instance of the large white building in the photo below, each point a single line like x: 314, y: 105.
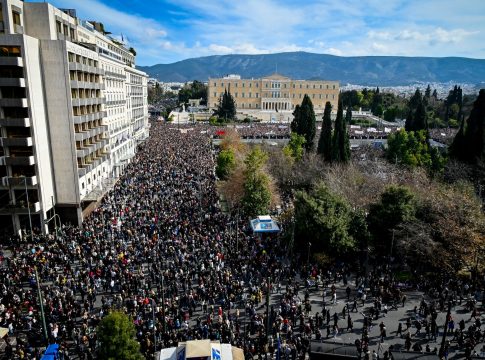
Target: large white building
x: 72, y: 109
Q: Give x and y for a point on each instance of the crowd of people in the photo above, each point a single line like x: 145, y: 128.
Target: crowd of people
x: 159, y: 248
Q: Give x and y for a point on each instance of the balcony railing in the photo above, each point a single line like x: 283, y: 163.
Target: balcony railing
x: 16, y: 141
x: 19, y: 181
x: 18, y: 160
x: 12, y: 81
x: 18, y: 122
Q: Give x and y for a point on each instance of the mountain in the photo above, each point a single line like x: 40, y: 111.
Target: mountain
x: 362, y: 70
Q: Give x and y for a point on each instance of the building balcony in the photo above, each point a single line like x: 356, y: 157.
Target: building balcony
x: 17, y: 82
x: 18, y: 122
x: 85, y: 68
x: 13, y: 102
x: 88, y: 101
x: 21, y: 181
x: 80, y: 119
x: 82, y: 152
x: 21, y: 209
x: 17, y: 160
x: 11, y: 61
x: 82, y: 135
x: 16, y: 141
x: 76, y: 84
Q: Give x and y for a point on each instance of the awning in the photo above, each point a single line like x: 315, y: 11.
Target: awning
x: 237, y: 353
x: 198, y: 348
x: 264, y: 224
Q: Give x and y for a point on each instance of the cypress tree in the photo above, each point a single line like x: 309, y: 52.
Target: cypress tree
x: 325, y: 141
x: 469, y: 142
x: 226, y: 108
x: 345, y: 141
x: 304, y: 122
x: 337, y: 134
x: 296, y: 123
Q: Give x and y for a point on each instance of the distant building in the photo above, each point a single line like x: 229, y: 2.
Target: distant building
x: 274, y: 93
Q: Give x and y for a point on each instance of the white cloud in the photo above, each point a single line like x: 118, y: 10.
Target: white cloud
x: 193, y: 28
x: 334, y: 51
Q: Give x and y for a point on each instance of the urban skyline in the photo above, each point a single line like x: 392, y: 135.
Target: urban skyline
x: 165, y: 31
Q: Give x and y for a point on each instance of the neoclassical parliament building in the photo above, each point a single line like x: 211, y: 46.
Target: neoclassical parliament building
x: 274, y: 93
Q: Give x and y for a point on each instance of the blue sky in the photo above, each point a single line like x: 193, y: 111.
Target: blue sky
x: 165, y: 31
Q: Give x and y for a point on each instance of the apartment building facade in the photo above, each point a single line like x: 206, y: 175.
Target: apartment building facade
x: 272, y: 93
x: 62, y: 104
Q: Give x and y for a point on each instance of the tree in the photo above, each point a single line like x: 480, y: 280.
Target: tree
x: 116, y: 337
x: 226, y: 109
x: 326, y: 219
x: 345, y: 141
x: 304, y: 122
x: 469, y: 143
x: 193, y: 90
x: 336, y: 155
x: 257, y: 194
x: 325, y: 141
x: 411, y: 148
x: 226, y: 162
x: 294, y: 149
x: 397, y: 205
x: 340, y: 140
x: 417, y: 116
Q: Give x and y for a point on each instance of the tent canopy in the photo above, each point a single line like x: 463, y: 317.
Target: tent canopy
x: 198, y: 348
x: 264, y: 224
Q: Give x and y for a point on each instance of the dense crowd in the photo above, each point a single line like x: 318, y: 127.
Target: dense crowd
x: 159, y: 248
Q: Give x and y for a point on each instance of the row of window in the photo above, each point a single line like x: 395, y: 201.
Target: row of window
x: 66, y: 30
x: 85, y: 110
x: 277, y: 85
x: 80, y: 164
x: 276, y: 94
x: 76, y: 58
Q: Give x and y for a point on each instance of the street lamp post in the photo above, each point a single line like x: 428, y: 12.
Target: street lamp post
x: 154, y: 331
x: 41, y: 303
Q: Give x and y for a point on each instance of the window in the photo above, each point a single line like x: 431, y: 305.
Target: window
x: 300, y: 96
x: 71, y: 30
x: 334, y: 87
x: 242, y: 84
x: 249, y: 95
x: 16, y: 18
x: 58, y: 26
x: 235, y: 95
x: 215, y: 94
x: 301, y: 86
x: 10, y: 51
x: 82, y: 186
x: 222, y: 84
x: 313, y: 96
x: 215, y: 84
x: 257, y: 95
x: 320, y: 86
x: 66, y: 32
x: 314, y: 86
